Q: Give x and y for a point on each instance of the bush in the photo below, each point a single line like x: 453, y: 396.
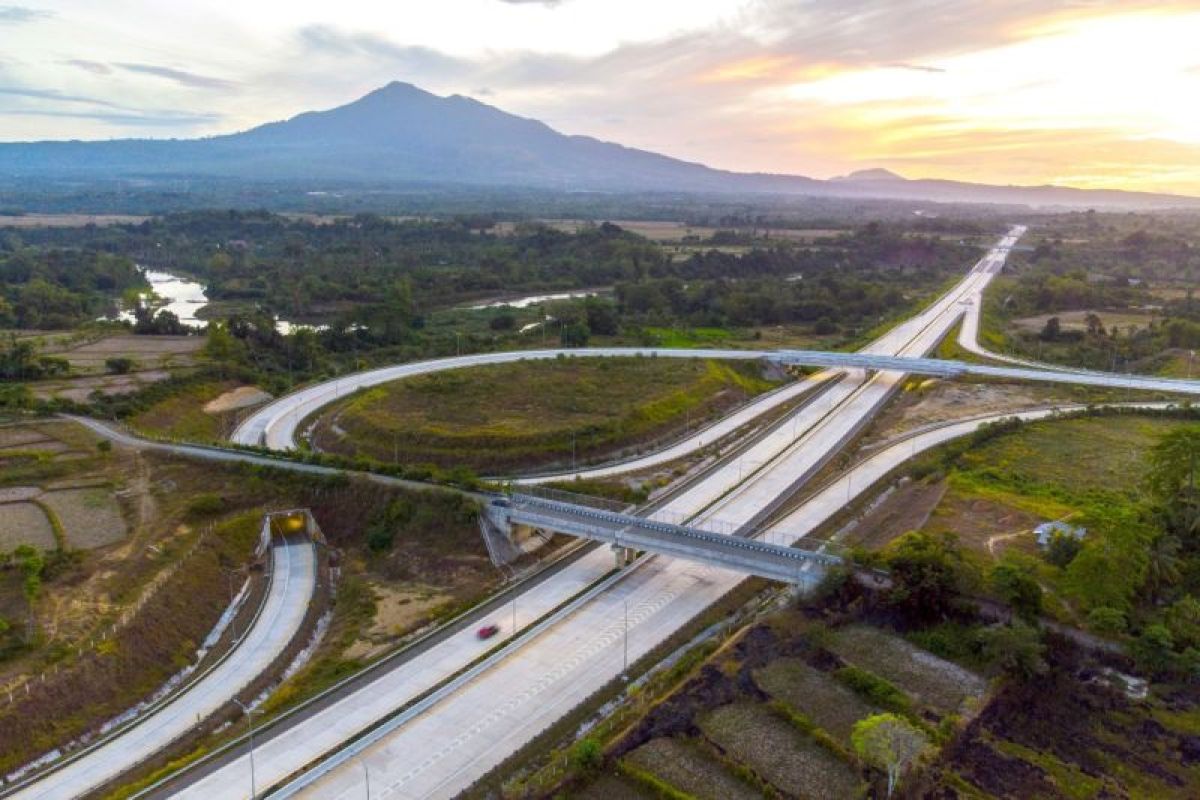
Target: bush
x: 205, y: 505
x: 874, y: 689
x: 118, y: 365
x: 586, y: 755
x: 1106, y: 621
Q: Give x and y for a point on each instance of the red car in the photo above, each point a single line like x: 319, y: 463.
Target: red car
x: 488, y: 631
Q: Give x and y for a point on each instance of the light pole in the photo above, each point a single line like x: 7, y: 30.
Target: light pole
x: 249, y: 712
x: 366, y: 775
x: 514, y: 617
x: 625, y: 661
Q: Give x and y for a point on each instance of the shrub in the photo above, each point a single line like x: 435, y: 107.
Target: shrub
x: 873, y: 688
x: 1106, y: 620
x: 205, y: 505
x: 118, y: 365
x: 586, y: 755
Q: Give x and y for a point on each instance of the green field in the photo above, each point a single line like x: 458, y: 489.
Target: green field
x: 535, y: 414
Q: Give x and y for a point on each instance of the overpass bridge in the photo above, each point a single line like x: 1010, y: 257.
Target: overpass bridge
x: 521, y: 514
x: 945, y: 368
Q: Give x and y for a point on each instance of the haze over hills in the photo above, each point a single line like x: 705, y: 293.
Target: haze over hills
x: 402, y: 134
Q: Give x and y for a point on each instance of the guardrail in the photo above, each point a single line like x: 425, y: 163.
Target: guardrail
x: 121, y: 730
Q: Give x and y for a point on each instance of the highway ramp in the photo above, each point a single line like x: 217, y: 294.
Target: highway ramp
x: 293, y: 582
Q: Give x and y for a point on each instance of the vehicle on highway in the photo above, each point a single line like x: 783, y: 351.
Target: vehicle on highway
x: 488, y: 631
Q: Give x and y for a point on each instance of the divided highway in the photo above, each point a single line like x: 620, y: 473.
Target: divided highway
x: 445, y: 743
x: 293, y: 581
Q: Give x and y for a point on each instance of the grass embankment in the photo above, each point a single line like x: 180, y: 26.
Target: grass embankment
x: 534, y: 414
x: 138, y: 659
x: 769, y: 714
x: 1084, y: 471
x: 187, y: 414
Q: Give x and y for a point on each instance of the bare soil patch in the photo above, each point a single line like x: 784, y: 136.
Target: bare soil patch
x: 826, y: 702
x: 398, y: 610
x: 146, y: 351
x: 78, y: 389
x: 68, y: 220
x: 932, y: 681
x: 778, y: 753
x: 686, y: 766
x: 90, y: 517
x: 25, y: 523
x: 241, y: 397
x: 979, y: 521
x: 908, y: 508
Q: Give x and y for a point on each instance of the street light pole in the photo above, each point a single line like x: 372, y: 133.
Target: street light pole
x: 249, y: 712
x: 625, y: 666
x: 366, y: 775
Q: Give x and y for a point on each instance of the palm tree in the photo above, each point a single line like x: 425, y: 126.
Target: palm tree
x: 1162, y: 570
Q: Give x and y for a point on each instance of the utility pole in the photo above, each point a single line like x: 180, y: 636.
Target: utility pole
x: 366, y: 775
x: 625, y: 666
x: 514, y: 616
x: 249, y: 712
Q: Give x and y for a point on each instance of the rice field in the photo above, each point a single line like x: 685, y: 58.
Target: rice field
x: 931, y: 681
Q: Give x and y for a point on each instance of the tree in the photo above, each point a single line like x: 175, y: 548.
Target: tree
x: 1051, y: 330
x: 119, y: 365
x: 928, y: 574
x: 574, y: 334
x: 1173, y: 463
x: 1016, y: 648
x: 1018, y: 589
x: 1154, y: 650
x: 1062, y: 549
x: 889, y: 743
x: 1163, y: 566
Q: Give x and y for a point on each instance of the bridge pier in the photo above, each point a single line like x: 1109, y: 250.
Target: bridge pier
x: 623, y: 555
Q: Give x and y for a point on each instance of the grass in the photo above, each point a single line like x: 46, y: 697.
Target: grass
x: 182, y: 415
x: 828, y: 703
x: 779, y: 754
x: 930, y: 680
x: 535, y: 413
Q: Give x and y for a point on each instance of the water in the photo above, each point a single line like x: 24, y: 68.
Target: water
x: 184, y: 298
x: 534, y: 299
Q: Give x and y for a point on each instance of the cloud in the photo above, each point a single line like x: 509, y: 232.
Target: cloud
x: 178, y: 76
x: 916, y: 68
x: 165, y: 119
x: 94, y: 67
x: 333, y: 41
x: 19, y: 15
x: 53, y: 95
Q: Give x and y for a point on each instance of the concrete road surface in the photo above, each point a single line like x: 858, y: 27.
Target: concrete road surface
x: 444, y: 749
x: 288, y: 598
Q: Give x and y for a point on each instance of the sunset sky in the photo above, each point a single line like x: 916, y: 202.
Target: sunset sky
x: 1092, y: 94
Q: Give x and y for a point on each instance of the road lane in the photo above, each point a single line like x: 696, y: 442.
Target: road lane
x: 292, y: 586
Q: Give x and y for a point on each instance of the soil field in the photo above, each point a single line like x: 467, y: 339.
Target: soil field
x: 203, y: 412
x: 1076, y: 320
x: 147, y: 352
x: 781, y: 755
x: 90, y: 517
x: 535, y: 414
x: 68, y: 220
x: 930, y: 680
x: 25, y: 523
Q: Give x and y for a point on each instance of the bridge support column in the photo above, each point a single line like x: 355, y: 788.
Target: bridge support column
x: 623, y: 555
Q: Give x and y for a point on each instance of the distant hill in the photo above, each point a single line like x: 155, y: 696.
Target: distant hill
x: 402, y: 134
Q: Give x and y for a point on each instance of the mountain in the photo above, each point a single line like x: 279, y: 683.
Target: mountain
x: 400, y: 134
x: 876, y: 174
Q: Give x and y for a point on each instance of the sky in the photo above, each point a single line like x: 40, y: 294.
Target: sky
x: 1075, y: 92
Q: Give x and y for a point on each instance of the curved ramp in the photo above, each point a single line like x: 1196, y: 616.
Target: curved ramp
x: 293, y: 582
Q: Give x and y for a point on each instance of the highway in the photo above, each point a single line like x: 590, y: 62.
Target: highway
x: 293, y: 581
x: 438, y: 750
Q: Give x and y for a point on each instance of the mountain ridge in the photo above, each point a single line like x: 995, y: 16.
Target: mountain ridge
x: 401, y: 133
